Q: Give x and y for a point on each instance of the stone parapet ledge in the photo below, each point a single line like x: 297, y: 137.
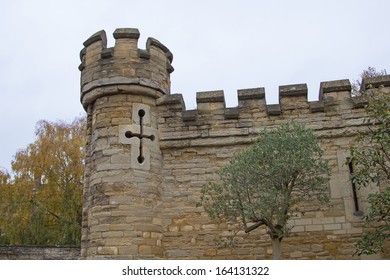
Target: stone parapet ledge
x: 251, y: 93
x: 375, y: 82
x: 293, y: 90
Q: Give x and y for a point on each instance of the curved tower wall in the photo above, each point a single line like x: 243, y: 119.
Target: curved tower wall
x: 119, y: 88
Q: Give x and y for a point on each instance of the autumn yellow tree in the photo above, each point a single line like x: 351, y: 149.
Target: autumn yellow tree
x: 40, y: 203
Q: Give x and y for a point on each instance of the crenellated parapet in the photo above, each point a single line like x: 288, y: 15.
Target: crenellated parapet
x: 123, y: 67
x: 291, y: 97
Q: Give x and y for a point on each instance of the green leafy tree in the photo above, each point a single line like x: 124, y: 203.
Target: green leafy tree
x: 371, y: 159
x: 265, y: 183
x: 42, y: 203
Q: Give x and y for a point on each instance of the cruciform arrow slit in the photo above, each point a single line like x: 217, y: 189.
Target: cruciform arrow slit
x: 140, y: 136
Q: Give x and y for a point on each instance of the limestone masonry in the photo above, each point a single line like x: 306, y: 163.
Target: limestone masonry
x: 148, y: 157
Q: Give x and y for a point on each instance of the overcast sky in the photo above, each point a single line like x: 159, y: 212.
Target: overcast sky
x: 216, y: 45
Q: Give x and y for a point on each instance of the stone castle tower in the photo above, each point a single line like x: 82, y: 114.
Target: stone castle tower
x: 148, y: 157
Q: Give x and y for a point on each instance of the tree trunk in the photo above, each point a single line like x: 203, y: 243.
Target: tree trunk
x: 276, y: 249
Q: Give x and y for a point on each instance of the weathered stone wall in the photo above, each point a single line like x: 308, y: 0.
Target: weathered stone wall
x: 195, y: 144
x: 39, y: 253
x: 148, y: 157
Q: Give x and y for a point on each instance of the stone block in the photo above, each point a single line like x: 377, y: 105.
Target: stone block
x: 339, y: 219
x: 128, y: 250
x: 316, y: 106
x: 210, y: 227
x: 293, y: 90
x: 258, y: 251
x: 332, y: 227
x: 147, y: 227
x: 145, y: 250
x: 274, y: 110
x: 120, y: 159
x: 187, y: 228
x: 314, y: 227
x: 298, y: 229
x: 355, y: 230
x: 107, y: 250
x: 109, y: 234
x: 324, y: 220
x: 317, y: 247
x: 100, y: 228
x: 347, y: 226
x: 190, y: 115
x: 303, y: 221
x: 95, y: 235
x: 339, y: 232
x: 158, y: 251
x: 251, y: 94
x: 231, y: 113
x: 296, y: 254
x: 177, y: 253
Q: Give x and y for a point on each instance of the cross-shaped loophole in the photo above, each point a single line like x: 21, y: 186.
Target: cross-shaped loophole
x: 140, y: 136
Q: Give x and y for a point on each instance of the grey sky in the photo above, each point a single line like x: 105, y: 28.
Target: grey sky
x: 216, y: 45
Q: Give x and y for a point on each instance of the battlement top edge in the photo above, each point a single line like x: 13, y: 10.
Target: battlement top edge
x: 210, y: 96
x: 98, y: 36
x: 123, y: 34
x: 251, y: 93
x: 337, y: 91
x: 332, y: 86
x: 375, y: 82
x: 337, y: 85
x: 132, y: 33
x: 293, y: 90
x: 154, y: 42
